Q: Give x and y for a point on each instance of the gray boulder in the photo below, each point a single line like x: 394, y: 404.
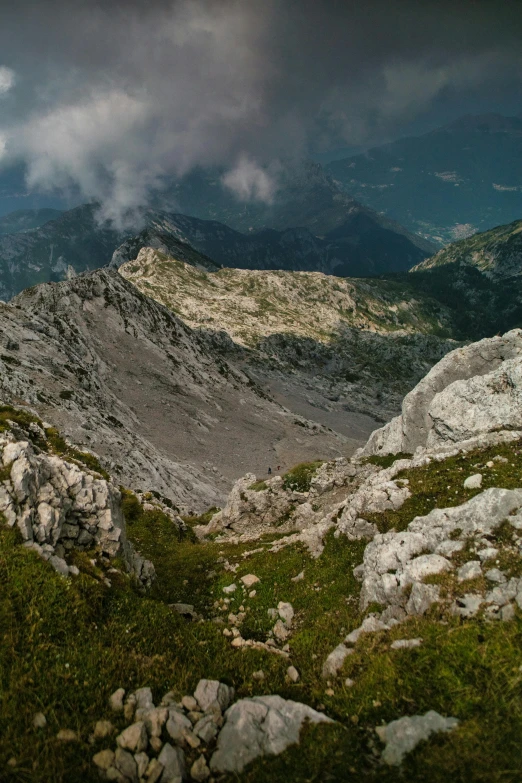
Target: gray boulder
x: 261, y: 726
x: 471, y: 391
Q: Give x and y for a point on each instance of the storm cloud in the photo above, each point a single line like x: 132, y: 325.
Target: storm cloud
x: 113, y: 98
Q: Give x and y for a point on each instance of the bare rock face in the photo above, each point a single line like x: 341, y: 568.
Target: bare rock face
x: 58, y: 506
x: 261, y: 726
x: 472, y: 391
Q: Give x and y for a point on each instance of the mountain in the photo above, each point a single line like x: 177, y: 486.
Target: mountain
x: 119, y: 374
x: 305, y: 197
x: 135, y: 641
x: 26, y: 219
x: 72, y: 243
x: 447, y: 184
x: 376, y: 250
x: 76, y: 242
x: 326, y: 347
x: 497, y: 253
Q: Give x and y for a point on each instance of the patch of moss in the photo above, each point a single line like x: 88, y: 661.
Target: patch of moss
x: 387, y: 460
x: 299, y: 478
x: 18, y: 416
x: 258, y: 486
x: 201, y: 519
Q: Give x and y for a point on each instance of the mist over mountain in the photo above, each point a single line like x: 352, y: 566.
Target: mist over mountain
x: 447, y: 184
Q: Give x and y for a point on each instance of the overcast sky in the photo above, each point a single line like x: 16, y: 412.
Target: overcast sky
x: 113, y: 96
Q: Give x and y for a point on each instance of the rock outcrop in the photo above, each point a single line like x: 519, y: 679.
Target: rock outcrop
x: 471, y: 391
x: 57, y: 506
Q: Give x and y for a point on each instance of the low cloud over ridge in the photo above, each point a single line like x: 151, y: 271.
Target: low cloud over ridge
x: 116, y: 97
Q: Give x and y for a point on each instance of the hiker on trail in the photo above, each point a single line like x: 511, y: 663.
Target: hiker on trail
x: 269, y: 471
x: 279, y: 467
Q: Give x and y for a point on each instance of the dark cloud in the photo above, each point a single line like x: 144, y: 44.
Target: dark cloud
x: 113, y: 97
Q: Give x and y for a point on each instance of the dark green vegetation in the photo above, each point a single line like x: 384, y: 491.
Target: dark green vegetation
x: 479, y: 306
x: 497, y: 252
x: 67, y: 644
x: 445, y: 184
x: 299, y: 478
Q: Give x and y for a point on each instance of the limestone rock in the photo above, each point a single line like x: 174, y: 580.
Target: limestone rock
x: 209, y: 691
x: 199, y: 771
x: 260, y: 726
x: 104, y: 759
x: 403, y: 735
x: 173, y: 761
x: 57, y: 506
x: 472, y: 390
x: 134, y: 738
x: 473, y: 482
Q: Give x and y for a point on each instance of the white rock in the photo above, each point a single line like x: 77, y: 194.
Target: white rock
x: 470, y: 570
x: 116, y: 700
x: 335, y: 660
x: 209, y: 691
x: 249, y: 580
x: 261, y: 726
x: 403, y: 735
x: 473, y: 482
x: 405, y: 644
x: 173, y: 761
x: 286, y: 612
x: 134, y: 738
x: 39, y: 720
x: 468, y: 605
x: 292, y: 673
x: 230, y: 589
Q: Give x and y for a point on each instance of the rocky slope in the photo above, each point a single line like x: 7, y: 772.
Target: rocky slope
x: 72, y: 243
x: 483, y: 375
x: 378, y: 596
x: 327, y: 345
x: 119, y: 374
x: 446, y: 184
x: 496, y: 253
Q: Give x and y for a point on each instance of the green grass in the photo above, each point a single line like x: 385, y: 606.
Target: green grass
x: 300, y: 477
x: 258, y: 486
x: 387, y: 460
x: 441, y: 484
x: 112, y: 637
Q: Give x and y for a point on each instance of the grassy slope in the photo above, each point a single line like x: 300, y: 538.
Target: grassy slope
x: 67, y: 644
x: 483, y: 250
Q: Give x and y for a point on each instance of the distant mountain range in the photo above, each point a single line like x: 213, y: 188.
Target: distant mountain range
x: 447, y: 184
x: 332, y: 233
x: 74, y: 242
x: 479, y: 279
x: 359, y: 247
